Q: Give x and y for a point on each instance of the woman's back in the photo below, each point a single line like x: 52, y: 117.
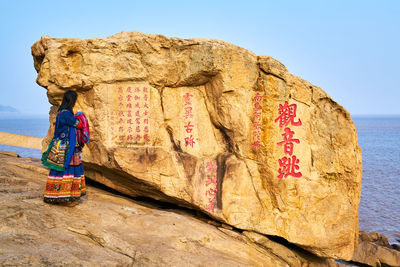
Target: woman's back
x: 64, y: 120
x: 66, y: 180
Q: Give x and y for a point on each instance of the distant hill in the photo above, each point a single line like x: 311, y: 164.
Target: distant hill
x: 7, y: 109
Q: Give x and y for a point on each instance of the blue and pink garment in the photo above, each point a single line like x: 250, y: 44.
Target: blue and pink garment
x: 82, y: 131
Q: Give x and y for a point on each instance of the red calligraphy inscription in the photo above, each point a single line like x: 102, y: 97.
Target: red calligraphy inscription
x: 211, y: 166
x: 125, y: 120
x: 288, y: 165
x: 211, y: 206
x: 211, y: 181
x: 288, y: 141
x: 189, y: 127
x: 189, y: 141
x: 187, y: 97
x: 188, y: 113
x: 287, y: 114
x: 211, y: 184
x: 211, y: 192
x: 257, y: 121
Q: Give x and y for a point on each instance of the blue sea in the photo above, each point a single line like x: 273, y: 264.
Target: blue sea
x: 379, y: 210
x: 27, y: 125
x: 378, y: 137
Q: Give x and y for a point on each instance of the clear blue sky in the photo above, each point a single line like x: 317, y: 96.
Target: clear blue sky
x: 348, y: 48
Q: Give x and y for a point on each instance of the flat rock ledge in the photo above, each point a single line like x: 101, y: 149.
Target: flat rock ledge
x: 107, y: 229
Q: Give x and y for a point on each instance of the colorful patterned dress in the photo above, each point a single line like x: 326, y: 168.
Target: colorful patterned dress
x: 68, y: 185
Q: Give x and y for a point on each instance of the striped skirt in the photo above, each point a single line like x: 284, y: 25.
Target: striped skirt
x: 68, y: 185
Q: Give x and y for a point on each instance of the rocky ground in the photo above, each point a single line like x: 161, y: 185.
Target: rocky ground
x: 108, y: 229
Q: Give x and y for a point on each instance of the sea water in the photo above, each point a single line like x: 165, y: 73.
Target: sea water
x: 379, y: 139
x: 27, y: 125
x: 379, y: 210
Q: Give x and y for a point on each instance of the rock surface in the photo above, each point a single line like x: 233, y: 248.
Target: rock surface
x: 375, y: 250
x: 112, y: 230
x: 20, y: 140
x: 211, y: 126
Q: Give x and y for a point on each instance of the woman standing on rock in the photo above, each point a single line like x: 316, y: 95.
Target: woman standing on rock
x: 66, y: 181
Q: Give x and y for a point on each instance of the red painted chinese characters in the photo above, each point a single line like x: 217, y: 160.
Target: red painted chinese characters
x: 188, y: 114
x: 211, y: 185
x: 130, y: 122
x: 257, y: 120
x: 289, y: 164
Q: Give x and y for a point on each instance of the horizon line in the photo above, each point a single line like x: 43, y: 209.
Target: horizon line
x: 352, y: 115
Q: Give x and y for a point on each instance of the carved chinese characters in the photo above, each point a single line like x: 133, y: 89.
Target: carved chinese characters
x: 257, y: 120
x: 188, y: 119
x: 211, y: 185
x: 289, y: 164
x: 129, y: 116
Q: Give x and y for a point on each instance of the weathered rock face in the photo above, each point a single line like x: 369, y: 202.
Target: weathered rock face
x: 110, y: 230
x: 211, y: 126
x: 374, y: 250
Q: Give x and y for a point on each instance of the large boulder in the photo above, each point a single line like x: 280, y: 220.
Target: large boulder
x: 211, y: 126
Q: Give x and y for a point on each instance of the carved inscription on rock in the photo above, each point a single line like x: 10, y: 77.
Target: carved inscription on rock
x: 289, y: 164
x: 128, y: 115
